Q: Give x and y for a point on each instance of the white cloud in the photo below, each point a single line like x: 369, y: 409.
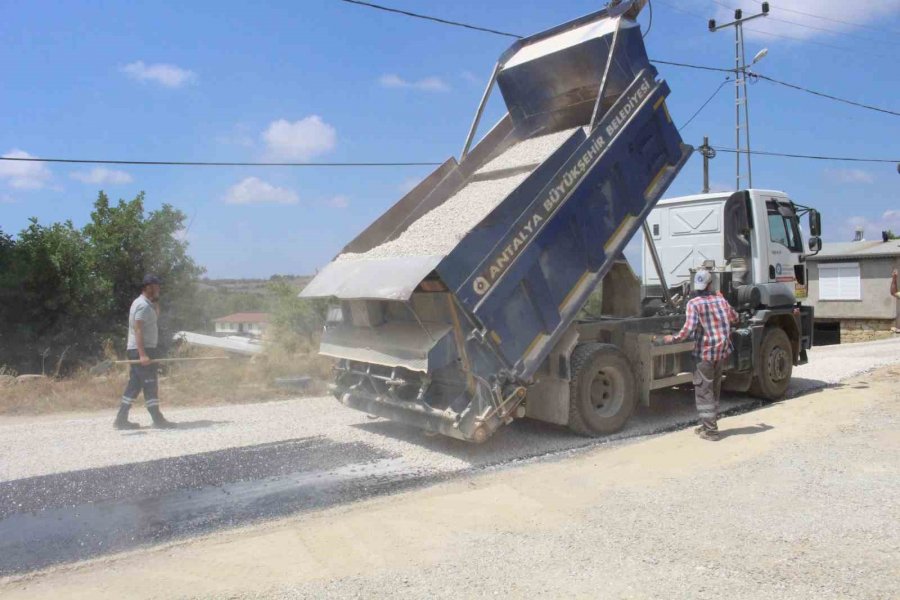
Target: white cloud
x: 862, y: 11
x: 300, y: 140
x: 24, y: 175
x: 338, y: 202
x: 253, y: 190
x: 849, y: 176
x: 470, y: 77
x: 872, y: 228
x: 4, y: 199
x: 170, y: 76
x: 102, y: 176
x: 428, y: 84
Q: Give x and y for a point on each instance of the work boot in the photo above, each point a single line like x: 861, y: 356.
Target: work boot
x: 710, y: 435
x: 122, y: 421
x: 159, y: 421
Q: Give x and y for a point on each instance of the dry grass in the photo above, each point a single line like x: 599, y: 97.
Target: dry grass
x: 235, y: 381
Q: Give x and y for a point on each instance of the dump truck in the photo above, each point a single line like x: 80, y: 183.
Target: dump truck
x: 460, y: 308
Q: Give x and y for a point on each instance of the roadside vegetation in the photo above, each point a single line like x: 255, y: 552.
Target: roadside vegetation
x: 64, y: 299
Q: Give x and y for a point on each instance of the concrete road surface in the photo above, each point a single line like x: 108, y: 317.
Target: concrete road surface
x: 72, y: 488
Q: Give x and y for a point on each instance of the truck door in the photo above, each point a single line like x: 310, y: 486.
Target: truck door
x: 785, y: 244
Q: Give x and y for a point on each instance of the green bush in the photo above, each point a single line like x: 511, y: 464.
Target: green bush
x: 64, y: 291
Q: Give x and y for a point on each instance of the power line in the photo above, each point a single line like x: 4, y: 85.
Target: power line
x: 218, y: 164
x: 682, y: 10
x: 839, y: 21
x: 796, y: 39
x: 433, y: 19
x: 699, y: 110
x: 802, y: 40
x: 810, y: 156
x: 832, y: 31
x: 690, y: 66
x: 828, y: 96
x: 384, y: 164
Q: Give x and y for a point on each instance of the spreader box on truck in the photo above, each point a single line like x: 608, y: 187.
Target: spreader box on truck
x: 457, y: 310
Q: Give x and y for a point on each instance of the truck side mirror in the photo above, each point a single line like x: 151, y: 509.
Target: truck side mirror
x: 815, y: 244
x: 815, y: 224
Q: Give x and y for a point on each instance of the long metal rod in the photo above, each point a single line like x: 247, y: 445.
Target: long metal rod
x: 667, y: 296
x: 479, y: 112
x: 705, y: 151
x: 746, y: 108
x: 737, y: 105
x: 612, y: 52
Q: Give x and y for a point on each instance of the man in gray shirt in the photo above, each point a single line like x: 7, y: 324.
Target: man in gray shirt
x: 143, y: 338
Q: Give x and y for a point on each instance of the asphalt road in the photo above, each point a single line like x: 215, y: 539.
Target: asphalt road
x: 72, y: 488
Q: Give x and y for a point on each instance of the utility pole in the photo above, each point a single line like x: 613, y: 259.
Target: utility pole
x: 707, y: 152
x: 741, y: 100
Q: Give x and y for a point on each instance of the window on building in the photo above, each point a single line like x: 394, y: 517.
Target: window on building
x: 839, y: 281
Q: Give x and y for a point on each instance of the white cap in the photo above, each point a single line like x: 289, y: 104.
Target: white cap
x: 702, y: 279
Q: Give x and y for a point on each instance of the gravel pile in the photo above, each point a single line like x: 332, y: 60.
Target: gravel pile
x: 437, y: 232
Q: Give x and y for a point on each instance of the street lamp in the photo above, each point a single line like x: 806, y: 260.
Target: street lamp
x: 759, y: 56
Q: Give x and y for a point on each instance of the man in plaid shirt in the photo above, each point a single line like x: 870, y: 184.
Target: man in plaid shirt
x: 709, y: 316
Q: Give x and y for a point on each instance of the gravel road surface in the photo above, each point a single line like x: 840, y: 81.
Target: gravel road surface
x: 800, y: 499
x: 71, y: 487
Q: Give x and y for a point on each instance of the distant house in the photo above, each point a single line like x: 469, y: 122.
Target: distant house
x: 849, y: 286
x: 245, y: 323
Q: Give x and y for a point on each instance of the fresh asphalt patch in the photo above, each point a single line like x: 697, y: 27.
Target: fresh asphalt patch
x: 66, y: 517
x: 77, y: 515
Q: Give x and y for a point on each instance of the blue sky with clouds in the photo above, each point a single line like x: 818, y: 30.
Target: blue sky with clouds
x: 326, y: 80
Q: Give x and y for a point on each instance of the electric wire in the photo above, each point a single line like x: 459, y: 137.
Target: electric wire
x: 433, y: 19
x: 650, y: 22
x: 828, y: 96
x: 705, y: 104
x: 176, y: 163
x: 808, y: 156
x: 839, y: 21
x: 797, y: 39
x: 690, y: 66
x: 832, y: 31
x: 512, y: 35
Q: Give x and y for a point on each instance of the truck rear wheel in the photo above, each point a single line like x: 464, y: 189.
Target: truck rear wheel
x: 776, y: 364
x: 602, y: 390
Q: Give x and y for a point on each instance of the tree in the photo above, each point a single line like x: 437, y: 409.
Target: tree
x: 53, y: 300
x: 125, y: 245
x: 64, y: 292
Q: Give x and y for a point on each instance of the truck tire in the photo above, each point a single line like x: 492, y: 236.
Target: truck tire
x: 602, y: 391
x: 776, y: 363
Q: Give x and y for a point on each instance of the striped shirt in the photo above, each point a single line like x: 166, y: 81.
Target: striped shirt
x: 712, y: 315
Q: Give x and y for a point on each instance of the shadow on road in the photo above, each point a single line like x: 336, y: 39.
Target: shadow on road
x: 751, y: 430
x: 201, y: 424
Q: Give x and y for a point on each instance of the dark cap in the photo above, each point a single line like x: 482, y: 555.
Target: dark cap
x: 150, y: 279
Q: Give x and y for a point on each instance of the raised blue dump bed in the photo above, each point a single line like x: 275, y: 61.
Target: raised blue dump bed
x: 450, y: 340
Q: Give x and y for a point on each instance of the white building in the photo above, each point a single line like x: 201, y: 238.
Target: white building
x: 247, y: 323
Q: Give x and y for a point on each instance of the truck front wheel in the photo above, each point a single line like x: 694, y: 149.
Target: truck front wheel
x: 776, y: 363
x: 602, y: 390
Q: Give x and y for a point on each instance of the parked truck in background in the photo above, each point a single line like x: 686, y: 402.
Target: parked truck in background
x: 459, y: 309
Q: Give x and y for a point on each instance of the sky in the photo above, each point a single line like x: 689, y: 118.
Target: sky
x: 330, y: 81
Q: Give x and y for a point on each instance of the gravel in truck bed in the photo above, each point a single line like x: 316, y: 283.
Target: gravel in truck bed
x: 440, y: 230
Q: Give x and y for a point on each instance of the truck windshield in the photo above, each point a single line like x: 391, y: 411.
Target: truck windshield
x: 783, y: 229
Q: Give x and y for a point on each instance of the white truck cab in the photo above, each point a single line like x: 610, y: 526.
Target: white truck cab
x: 757, y: 231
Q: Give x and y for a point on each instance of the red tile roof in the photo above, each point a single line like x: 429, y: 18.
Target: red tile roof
x: 245, y: 317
